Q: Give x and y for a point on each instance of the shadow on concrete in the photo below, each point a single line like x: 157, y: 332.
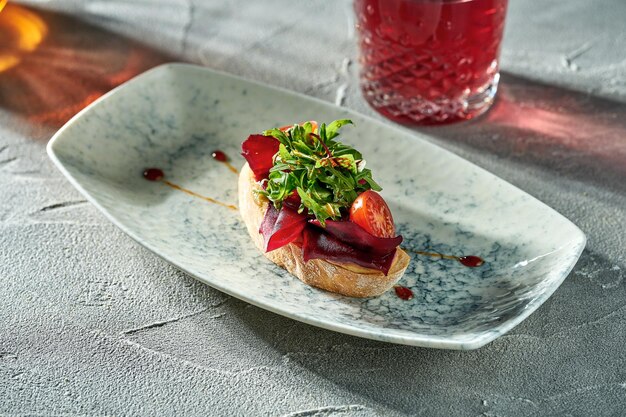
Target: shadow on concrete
x: 405, y: 378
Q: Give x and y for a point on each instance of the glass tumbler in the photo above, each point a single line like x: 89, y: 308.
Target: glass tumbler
x: 427, y: 62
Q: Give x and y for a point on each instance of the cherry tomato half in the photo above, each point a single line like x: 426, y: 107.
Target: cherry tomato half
x: 370, y: 211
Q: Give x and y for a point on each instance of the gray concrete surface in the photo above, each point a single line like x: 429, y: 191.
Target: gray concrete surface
x: 93, y: 324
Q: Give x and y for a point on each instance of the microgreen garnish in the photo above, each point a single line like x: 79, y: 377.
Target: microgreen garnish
x: 326, y: 174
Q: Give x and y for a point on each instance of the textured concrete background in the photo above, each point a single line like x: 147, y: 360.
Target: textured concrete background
x: 93, y: 324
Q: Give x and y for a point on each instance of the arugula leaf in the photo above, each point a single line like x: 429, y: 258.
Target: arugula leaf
x: 326, y: 174
x: 278, y: 134
x: 332, y: 130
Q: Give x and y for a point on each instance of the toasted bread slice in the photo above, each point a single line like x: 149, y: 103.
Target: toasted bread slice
x: 342, y: 278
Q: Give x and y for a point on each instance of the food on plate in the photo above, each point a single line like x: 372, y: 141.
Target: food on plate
x: 312, y: 207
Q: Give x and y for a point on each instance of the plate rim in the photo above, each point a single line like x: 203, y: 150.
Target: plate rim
x: 411, y: 338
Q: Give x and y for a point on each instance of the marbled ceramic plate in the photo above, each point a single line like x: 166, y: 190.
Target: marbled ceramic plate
x: 174, y: 116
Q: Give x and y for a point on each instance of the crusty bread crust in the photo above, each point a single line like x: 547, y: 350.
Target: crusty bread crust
x: 343, y: 278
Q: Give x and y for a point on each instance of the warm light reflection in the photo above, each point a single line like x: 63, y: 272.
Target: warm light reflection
x: 550, y: 124
x: 2, y: 4
x: 52, y: 65
x: 568, y: 126
x: 21, y: 31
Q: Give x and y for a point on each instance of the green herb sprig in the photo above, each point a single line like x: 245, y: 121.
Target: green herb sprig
x: 327, y: 175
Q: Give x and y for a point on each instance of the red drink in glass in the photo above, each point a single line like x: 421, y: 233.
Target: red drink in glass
x: 429, y: 61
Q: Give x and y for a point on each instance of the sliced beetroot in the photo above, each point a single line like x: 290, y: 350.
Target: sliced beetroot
x: 269, y: 220
x: 357, y: 237
x: 279, y: 228
x: 259, y: 151
x: 318, y: 244
x: 288, y: 228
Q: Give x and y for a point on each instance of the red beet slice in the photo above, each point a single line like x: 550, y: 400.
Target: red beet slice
x: 320, y: 245
x: 279, y: 228
x: 357, y: 237
x: 259, y: 150
x: 269, y: 220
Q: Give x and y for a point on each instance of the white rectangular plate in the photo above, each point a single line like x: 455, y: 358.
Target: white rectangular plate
x: 174, y: 116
